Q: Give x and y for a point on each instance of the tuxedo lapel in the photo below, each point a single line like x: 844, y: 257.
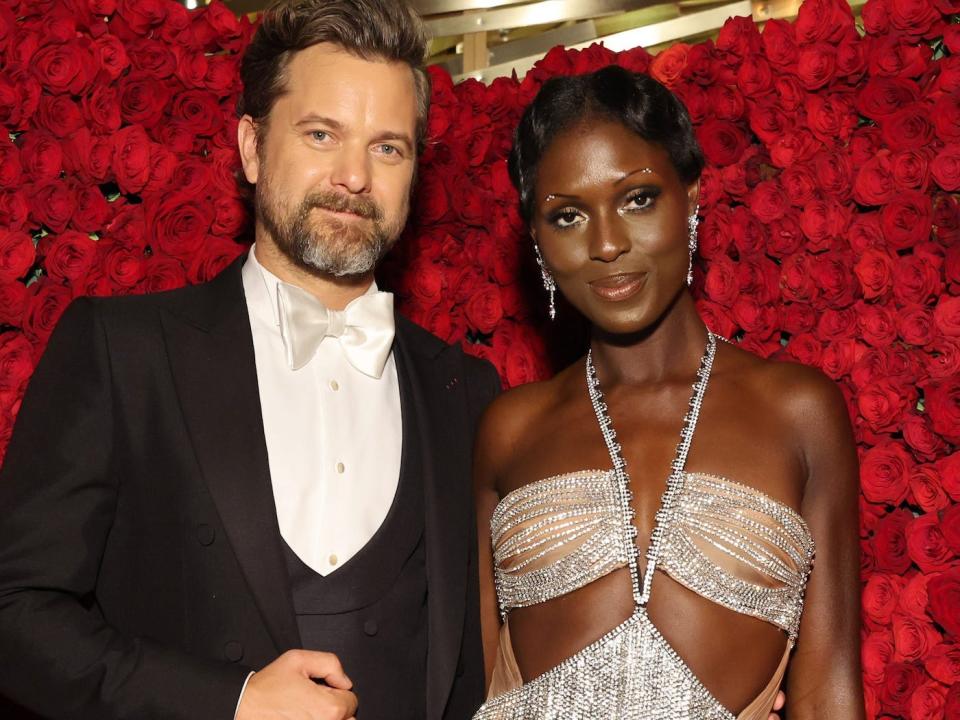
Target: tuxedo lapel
x: 428, y: 372
x: 210, y: 348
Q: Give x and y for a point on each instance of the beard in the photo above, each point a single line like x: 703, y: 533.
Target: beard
x: 327, y: 245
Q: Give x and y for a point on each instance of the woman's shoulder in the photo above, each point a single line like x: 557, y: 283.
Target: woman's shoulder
x: 511, y: 419
x: 802, y: 397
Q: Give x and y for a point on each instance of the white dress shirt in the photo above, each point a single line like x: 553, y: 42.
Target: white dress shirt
x: 334, y: 436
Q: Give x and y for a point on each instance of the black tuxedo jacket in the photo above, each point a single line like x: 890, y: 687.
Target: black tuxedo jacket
x: 141, y: 571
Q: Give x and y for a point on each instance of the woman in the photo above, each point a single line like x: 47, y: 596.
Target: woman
x: 624, y: 575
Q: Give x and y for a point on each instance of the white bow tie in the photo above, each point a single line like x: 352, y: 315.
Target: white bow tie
x: 364, y: 328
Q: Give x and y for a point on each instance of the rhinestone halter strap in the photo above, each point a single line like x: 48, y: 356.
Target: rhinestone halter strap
x: 641, y: 589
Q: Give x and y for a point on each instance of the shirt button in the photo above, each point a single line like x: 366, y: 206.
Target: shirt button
x: 332, y: 559
x: 370, y: 628
x: 340, y: 468
x: 334, y: 385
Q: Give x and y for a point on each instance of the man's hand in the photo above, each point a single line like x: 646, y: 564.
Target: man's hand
x: 778, y: 705
x: 285, y: 689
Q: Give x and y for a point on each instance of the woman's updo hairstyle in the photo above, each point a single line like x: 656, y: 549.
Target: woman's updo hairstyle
x: 636, y: 101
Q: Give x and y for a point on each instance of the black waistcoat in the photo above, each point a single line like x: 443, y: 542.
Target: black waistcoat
x: 372, y: 612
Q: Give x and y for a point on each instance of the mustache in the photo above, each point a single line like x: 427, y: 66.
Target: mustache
x: 338, y: 202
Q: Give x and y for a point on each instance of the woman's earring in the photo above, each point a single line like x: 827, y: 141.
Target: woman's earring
x: 549, y: 284
x: 692, y: 222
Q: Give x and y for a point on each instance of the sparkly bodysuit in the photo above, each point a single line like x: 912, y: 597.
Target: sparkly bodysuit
x: 725, y: 541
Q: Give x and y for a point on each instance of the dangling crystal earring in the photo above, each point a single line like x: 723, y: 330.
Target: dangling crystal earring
x: 692, y: 222
x: 549, y: 284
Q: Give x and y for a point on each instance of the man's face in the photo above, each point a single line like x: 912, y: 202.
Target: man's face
x: 334, y: 165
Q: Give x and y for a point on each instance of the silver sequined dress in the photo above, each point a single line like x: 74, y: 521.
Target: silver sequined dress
x: 725, y: 541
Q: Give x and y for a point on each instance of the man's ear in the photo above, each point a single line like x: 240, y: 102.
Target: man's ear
x: 247, y: 142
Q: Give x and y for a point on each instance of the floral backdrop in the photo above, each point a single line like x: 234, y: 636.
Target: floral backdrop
x: 830, y: 234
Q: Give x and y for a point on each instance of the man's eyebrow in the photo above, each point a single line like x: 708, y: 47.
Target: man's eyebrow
x: 312, y: 118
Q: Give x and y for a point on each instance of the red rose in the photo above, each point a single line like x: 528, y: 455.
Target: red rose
x: 230, y: 216
x: 916, y: 281
x: 913, y: 597
x: 748, y: 234
x: 92, y: 210
x: 925, y: 444
x: 883, y: 403
x: 928, y: 700
x: 754, y: 78
x: 143, y: 99
x: 178, y: 225
x: 883, y: 96
x: 912, y: 18
x: 69, y: 255
x: 907, y: 129
x: 13, y: 210
x: 945, y: 167
x: 911, y: 169
x: 64, y: 67
x: 950, y: 527
x: 199, y: 109
x: 111, y: 54
x: 796, y: 283
x: 16, y: 361
x: 944, y: 600
x: 943, y: 406
x: 755, y: 317
x: 142, y: 15
x: 668, y: 66
x: 10, y: 169
x: 951, y: 709
x: 838, y: 358
x: 805, y: 349
x: 876, y: 653
x: 836, y: 324
x: 835, y: 174
x: 791, y: 147
x: 123, y: 267
x: 725, y: 102
x: 890, y: 540
x: 879, y: 598
x: 946, y: 219
x: 716, y: 318
x: 739, y: 37
x: 831, y: 273
x: 894, y: 56
x: 907, y: 219
x: 53, y: 204
x: 798, y: 318
x: 89, y: 158
x: 874, y: 270
x: 786, y: 236
x: 101, y: 108
x: 162, y: 273
x: 831, y: 117
x: 483, y: 309
x: 46, y: 302
x: 829, y: 20
x: 779, y: 43
x: 943, y: 662
x: 874, y: 184
x: 885, y: 474
x: 41, y: 156
x: 816, y: 65
x: 58, y: 115
x: 215, y: 254
x: 822, y: 221
x: 722, y: 141
x: 131, y: 158
x: 152, y: 57
x: 942, y: 358
x: 926, y: 545
x: 865, y: 143
x: 13, y: 301
x: 877, y: 324
x: 17, y: 255
x: 913, y: 637
x: 900, y: 681
x: 522, y: 351
x: 799, y: 183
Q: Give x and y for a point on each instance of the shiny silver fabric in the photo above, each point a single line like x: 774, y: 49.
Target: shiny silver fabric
x: 556, y: 535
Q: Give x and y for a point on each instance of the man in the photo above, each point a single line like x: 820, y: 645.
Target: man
x: 203, y: 481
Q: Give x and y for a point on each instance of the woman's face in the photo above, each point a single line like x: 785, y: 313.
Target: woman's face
x: 610, y: 216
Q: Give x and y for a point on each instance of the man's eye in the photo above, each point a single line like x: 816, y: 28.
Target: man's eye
x: 319, y: 135
x: 388, y: 150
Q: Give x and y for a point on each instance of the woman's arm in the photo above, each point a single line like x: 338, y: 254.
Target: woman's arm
x: 825, y: 678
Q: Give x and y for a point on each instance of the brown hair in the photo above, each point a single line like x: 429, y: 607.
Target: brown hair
x: 386, y: 30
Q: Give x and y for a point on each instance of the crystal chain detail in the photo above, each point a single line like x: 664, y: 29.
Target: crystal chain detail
x: 641, y: 591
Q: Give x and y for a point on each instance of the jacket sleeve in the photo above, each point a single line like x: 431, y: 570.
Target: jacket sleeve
x: 58, y: 494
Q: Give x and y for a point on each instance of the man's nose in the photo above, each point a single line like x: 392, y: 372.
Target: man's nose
x: 351, y: 170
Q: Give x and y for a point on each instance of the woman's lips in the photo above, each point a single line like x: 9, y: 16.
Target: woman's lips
x: 618, y: 287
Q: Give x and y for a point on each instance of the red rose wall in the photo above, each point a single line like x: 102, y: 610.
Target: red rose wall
x: 830, y: 234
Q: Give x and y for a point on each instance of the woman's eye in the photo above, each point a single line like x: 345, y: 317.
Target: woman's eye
x: 567, y: 217
x: 639, y: 201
